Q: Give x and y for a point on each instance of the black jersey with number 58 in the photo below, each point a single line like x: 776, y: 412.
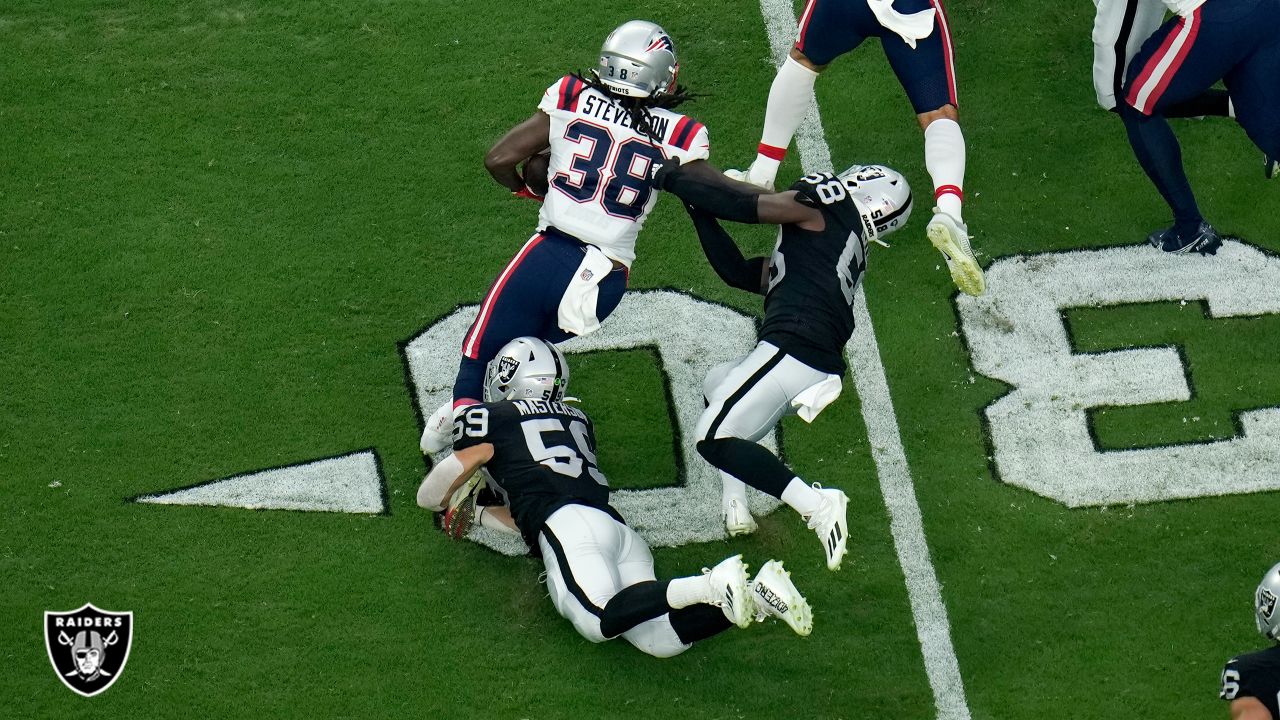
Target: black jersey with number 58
x: 544, y: 457
x: 808, y: 310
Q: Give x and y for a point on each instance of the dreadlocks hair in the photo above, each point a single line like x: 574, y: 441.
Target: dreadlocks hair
x: 637, y: 108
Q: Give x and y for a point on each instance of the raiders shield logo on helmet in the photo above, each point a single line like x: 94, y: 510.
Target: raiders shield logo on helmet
x: 88, y: 647
x: 1266, y: 603
x: 507, y: 369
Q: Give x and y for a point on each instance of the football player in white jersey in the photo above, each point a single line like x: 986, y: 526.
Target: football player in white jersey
x: 602, y: 131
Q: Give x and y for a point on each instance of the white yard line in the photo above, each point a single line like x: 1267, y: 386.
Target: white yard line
x: 923, y: 589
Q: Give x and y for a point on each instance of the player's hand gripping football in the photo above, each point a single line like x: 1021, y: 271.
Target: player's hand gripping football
x: 460, y: 513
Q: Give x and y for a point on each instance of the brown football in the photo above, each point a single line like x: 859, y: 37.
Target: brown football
x: 534, y: 172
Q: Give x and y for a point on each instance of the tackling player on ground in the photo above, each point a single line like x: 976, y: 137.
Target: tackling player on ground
x: 602, y: 131
x: 1206, y: 41
x: 918, y: 46
x: 541, y: 455
x: 1251, y: 683
x: 809, y: 286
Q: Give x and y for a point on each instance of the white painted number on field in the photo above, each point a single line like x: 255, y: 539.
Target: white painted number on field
x: 1039, y: 430
x: 691, y: 337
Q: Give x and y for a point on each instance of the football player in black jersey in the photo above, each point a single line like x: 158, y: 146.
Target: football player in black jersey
x: 1251, y: 682
x: 809, y: 284
x: 540, y: 454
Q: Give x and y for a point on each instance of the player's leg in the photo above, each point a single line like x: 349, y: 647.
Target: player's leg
x: 1181, y: 60
x: 750, y: 401
x: 927, y: 73
x: 734, y: 509
x: 1254, y: 83
x: 826, y: 31
x: 663, y: 618
x: 579, y: 550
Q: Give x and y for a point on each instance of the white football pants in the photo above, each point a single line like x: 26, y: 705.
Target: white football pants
x: 589, y: 557
x: 747, y: 397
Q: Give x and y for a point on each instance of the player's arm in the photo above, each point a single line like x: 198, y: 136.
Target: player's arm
x: 701, y: 185
x: 450, y: 473
x: 497, y: 517
x: 522, y: 141
x: 1249, y: 708
x: 726, y: 259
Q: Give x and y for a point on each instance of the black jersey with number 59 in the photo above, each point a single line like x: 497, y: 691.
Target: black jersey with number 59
x: 544, y: 457
x: 808, y: 311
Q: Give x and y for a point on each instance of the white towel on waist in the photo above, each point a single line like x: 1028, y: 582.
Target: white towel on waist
x: 814, y: 398
x: 911, y: 28
x: 577, y: 313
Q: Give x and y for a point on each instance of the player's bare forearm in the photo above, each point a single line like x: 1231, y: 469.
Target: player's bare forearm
x: 498, y: 517
x: 528, y: 138
x: 725, y: 257
x: 1249, y: 708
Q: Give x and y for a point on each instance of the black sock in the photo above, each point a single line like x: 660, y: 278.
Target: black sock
x: 633, y: 605
x: 749, y: 462
x: 1213, y: 102
x: 698, y: 622
x: 1157, y: 150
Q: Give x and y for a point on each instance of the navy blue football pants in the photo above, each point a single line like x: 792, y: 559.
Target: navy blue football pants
x: 1235, y: 41
x: 524, y: 300
x: 831, y: 28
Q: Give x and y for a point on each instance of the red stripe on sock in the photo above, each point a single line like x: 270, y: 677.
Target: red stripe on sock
x: 953, y: 189
x: 772, y: 152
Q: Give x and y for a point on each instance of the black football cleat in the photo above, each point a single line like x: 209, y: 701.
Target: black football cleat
x: 1205, y: 241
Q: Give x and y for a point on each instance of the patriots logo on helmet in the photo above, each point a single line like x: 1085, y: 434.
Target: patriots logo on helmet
x: 662, y: 42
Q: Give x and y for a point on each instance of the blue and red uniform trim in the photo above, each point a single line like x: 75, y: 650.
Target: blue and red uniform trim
x: 686, y: 130
x: 570, y: 89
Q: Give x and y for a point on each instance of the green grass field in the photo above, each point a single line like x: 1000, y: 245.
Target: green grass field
x: 219, y: 221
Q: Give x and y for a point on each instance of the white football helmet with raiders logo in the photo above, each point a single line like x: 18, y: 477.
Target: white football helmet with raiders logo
x: 1265, y: 603
x: 526, y: 368
x: 882, y: 196
x: 638, y: 60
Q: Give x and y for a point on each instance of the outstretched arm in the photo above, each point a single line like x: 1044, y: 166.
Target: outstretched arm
x: 725, y: 257
x: 701, y: 185
x: 522, y: 141
x: 449, y: 474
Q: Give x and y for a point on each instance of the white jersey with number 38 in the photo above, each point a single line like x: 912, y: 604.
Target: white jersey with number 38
x: 597, y: 189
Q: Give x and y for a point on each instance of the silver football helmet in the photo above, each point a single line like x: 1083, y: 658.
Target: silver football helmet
x: 526, y: 369
x: 638, y: 60
x: 1265, y: 603
x: 882, y: 196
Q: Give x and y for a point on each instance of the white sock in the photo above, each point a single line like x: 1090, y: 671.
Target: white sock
x: 944, y: 158
x: 788, y: 102
x: 686, y: 591
x: 732, y: 489
x: 800, y: 496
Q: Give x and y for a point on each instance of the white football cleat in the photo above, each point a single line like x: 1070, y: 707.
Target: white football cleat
x: 731, y: 591
x: 745, y: 176
x: 829, y: 522
x: 776, y: 596
x: 438, y: 433
x: 951, y: 238
x: 737, y: 519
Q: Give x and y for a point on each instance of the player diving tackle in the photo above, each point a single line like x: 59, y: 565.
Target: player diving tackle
x: 541, y: 455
